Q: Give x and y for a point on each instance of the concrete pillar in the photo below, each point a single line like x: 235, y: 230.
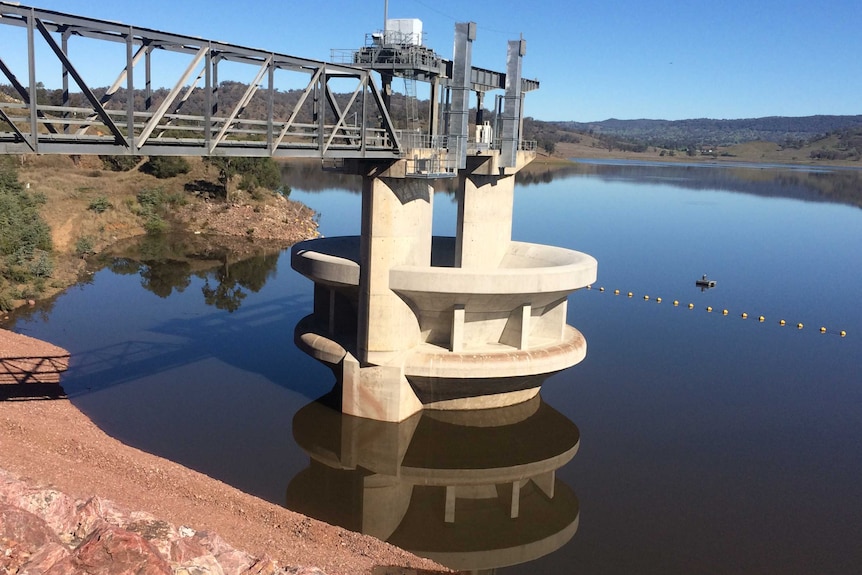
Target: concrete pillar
x: 449, y: 510
x: 546, y: 482
x: 396, y: 230
x: 518, y: 327
x: 515, y: 504
x: 484, y: 227
x: 456, y: 334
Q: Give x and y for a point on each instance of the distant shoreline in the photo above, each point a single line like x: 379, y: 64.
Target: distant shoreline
x: 727, y: 162
x: 748, y: 153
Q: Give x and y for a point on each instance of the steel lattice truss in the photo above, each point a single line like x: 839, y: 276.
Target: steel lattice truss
x: 120, y: 119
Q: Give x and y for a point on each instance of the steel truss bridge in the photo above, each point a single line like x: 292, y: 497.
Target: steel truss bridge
x: 339, y: 114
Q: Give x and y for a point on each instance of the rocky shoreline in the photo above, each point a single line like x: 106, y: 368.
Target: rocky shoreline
x: 43, y: 530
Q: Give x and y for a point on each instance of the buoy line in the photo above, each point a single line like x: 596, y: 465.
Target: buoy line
x: 744, y: 315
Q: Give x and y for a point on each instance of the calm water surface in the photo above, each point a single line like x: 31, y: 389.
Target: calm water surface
x: 708, y: 443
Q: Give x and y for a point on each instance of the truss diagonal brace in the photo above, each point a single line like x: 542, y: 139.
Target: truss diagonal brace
x: 97, y: 106
x: 159, y: 114
x: 341, y: 114
x: 378, y: 98
x: 296, y: 109
x: 118, y: 82
x: 25, y: 95
x: 252, y: 88
x: 17, y: 131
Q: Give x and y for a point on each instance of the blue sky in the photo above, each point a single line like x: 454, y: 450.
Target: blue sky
x: 595, y: 59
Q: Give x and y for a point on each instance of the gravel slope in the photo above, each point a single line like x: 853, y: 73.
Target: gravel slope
x: 51, y: 443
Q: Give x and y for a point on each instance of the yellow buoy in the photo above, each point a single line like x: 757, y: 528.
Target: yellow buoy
x: 658, y: 300
x: 631, y: 294
x: 691, y: 306
x: 799, y: 325
x: 601, y: 289
x: 842, y: 333
x: 761, y: 318
x: 744, y: 315
x: 676, y: 302
x: 646, y: 297
x: 822, y: 329
x: 590, y: 287
x: 781, y: 322
x: 709, y: 308
x: 724, y: 312
x: 616, y: 292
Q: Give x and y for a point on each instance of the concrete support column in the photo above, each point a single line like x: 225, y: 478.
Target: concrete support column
x: 546, y: 482
x: 515, y: 504
x: 517, y: 330
x: 456, y: 337
x: 396, y: 230
x: 484, y: 227
x: 449, y: 511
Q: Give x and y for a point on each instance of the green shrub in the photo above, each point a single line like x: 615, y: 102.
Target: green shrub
x: 25, y: 239
x: 84, y: 246
x: 100, y: 204
x: 155, y: 224
x: 153, y: 204
x: 119, y: 163
x: 164, y: 167
x: 151, y: 198
x: 255, y: 172
x: 33, y: 290
x: 176, y: 199
x: 42, y: 266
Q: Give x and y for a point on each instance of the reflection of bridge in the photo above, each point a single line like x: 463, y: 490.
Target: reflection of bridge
x: 472, y: 490
x: 123, y: 119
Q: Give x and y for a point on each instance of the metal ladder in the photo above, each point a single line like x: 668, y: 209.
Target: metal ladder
x: 411, y: 104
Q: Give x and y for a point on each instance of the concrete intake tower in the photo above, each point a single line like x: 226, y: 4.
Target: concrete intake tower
x: 409, y: 321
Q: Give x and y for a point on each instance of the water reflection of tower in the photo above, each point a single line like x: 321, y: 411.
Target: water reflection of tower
x: 473, y: 490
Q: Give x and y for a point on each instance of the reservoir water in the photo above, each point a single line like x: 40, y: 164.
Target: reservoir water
x: 705, y: 442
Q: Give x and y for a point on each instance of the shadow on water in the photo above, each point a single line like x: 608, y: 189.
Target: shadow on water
x: 226, y: 271
x: 472, y: 490
x: 189, y: 340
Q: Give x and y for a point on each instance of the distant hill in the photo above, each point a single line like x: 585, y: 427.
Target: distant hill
x: 675, y: 134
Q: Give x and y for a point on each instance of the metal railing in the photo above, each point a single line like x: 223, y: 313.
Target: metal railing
x: 427, y: 156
